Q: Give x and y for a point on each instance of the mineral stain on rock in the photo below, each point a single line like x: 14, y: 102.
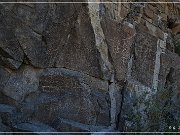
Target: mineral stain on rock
x: 89, y: 67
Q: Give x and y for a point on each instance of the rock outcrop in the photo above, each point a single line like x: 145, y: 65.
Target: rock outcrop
x: 89, y: 67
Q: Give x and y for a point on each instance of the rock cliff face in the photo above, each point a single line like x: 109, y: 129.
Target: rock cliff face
x: 89, y: 67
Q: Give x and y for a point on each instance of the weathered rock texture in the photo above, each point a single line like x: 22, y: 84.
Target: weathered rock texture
x: 89, y: 67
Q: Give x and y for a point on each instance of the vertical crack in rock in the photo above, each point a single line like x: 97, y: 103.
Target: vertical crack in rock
x: 113, y: 93
x: 157, y: 66
x: 99, y: 35
x: 102, y: 45
x: 130, y: 67
x: 161, y: 46
x: 94, y: 10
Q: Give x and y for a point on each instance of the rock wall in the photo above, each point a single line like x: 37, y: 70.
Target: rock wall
x: 89, y: 66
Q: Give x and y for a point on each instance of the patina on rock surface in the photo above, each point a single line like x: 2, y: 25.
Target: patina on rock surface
x: 89, y: 66
x: 82, y: 98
